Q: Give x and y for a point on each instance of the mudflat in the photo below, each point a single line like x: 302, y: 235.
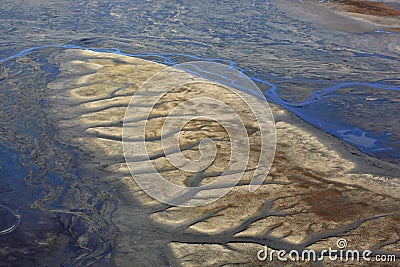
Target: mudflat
x: 317, y: 191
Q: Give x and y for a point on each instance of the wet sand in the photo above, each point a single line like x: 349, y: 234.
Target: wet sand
x: 318, y: 189
x: 381, y: 14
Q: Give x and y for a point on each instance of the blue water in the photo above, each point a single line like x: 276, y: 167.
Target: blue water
x: 12, y: 186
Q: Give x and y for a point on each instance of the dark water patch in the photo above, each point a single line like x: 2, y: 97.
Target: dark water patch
x: 42, y: 178
x: 86, y: 42
x: 12, y: 175
x: 25, y: 233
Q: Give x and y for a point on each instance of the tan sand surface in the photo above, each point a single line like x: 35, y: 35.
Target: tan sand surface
x: 318, y: 189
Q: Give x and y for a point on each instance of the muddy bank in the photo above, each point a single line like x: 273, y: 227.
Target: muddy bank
x: 348, y: 16
x: 371, y: 8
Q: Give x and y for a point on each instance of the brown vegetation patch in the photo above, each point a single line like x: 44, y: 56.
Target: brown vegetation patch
x: 332, y: 205
x: 369, y: 8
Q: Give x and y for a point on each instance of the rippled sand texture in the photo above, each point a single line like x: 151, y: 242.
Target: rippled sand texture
x: 312, y: 195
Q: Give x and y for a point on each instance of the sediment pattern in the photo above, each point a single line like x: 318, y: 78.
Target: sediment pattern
x: 311, y: 197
